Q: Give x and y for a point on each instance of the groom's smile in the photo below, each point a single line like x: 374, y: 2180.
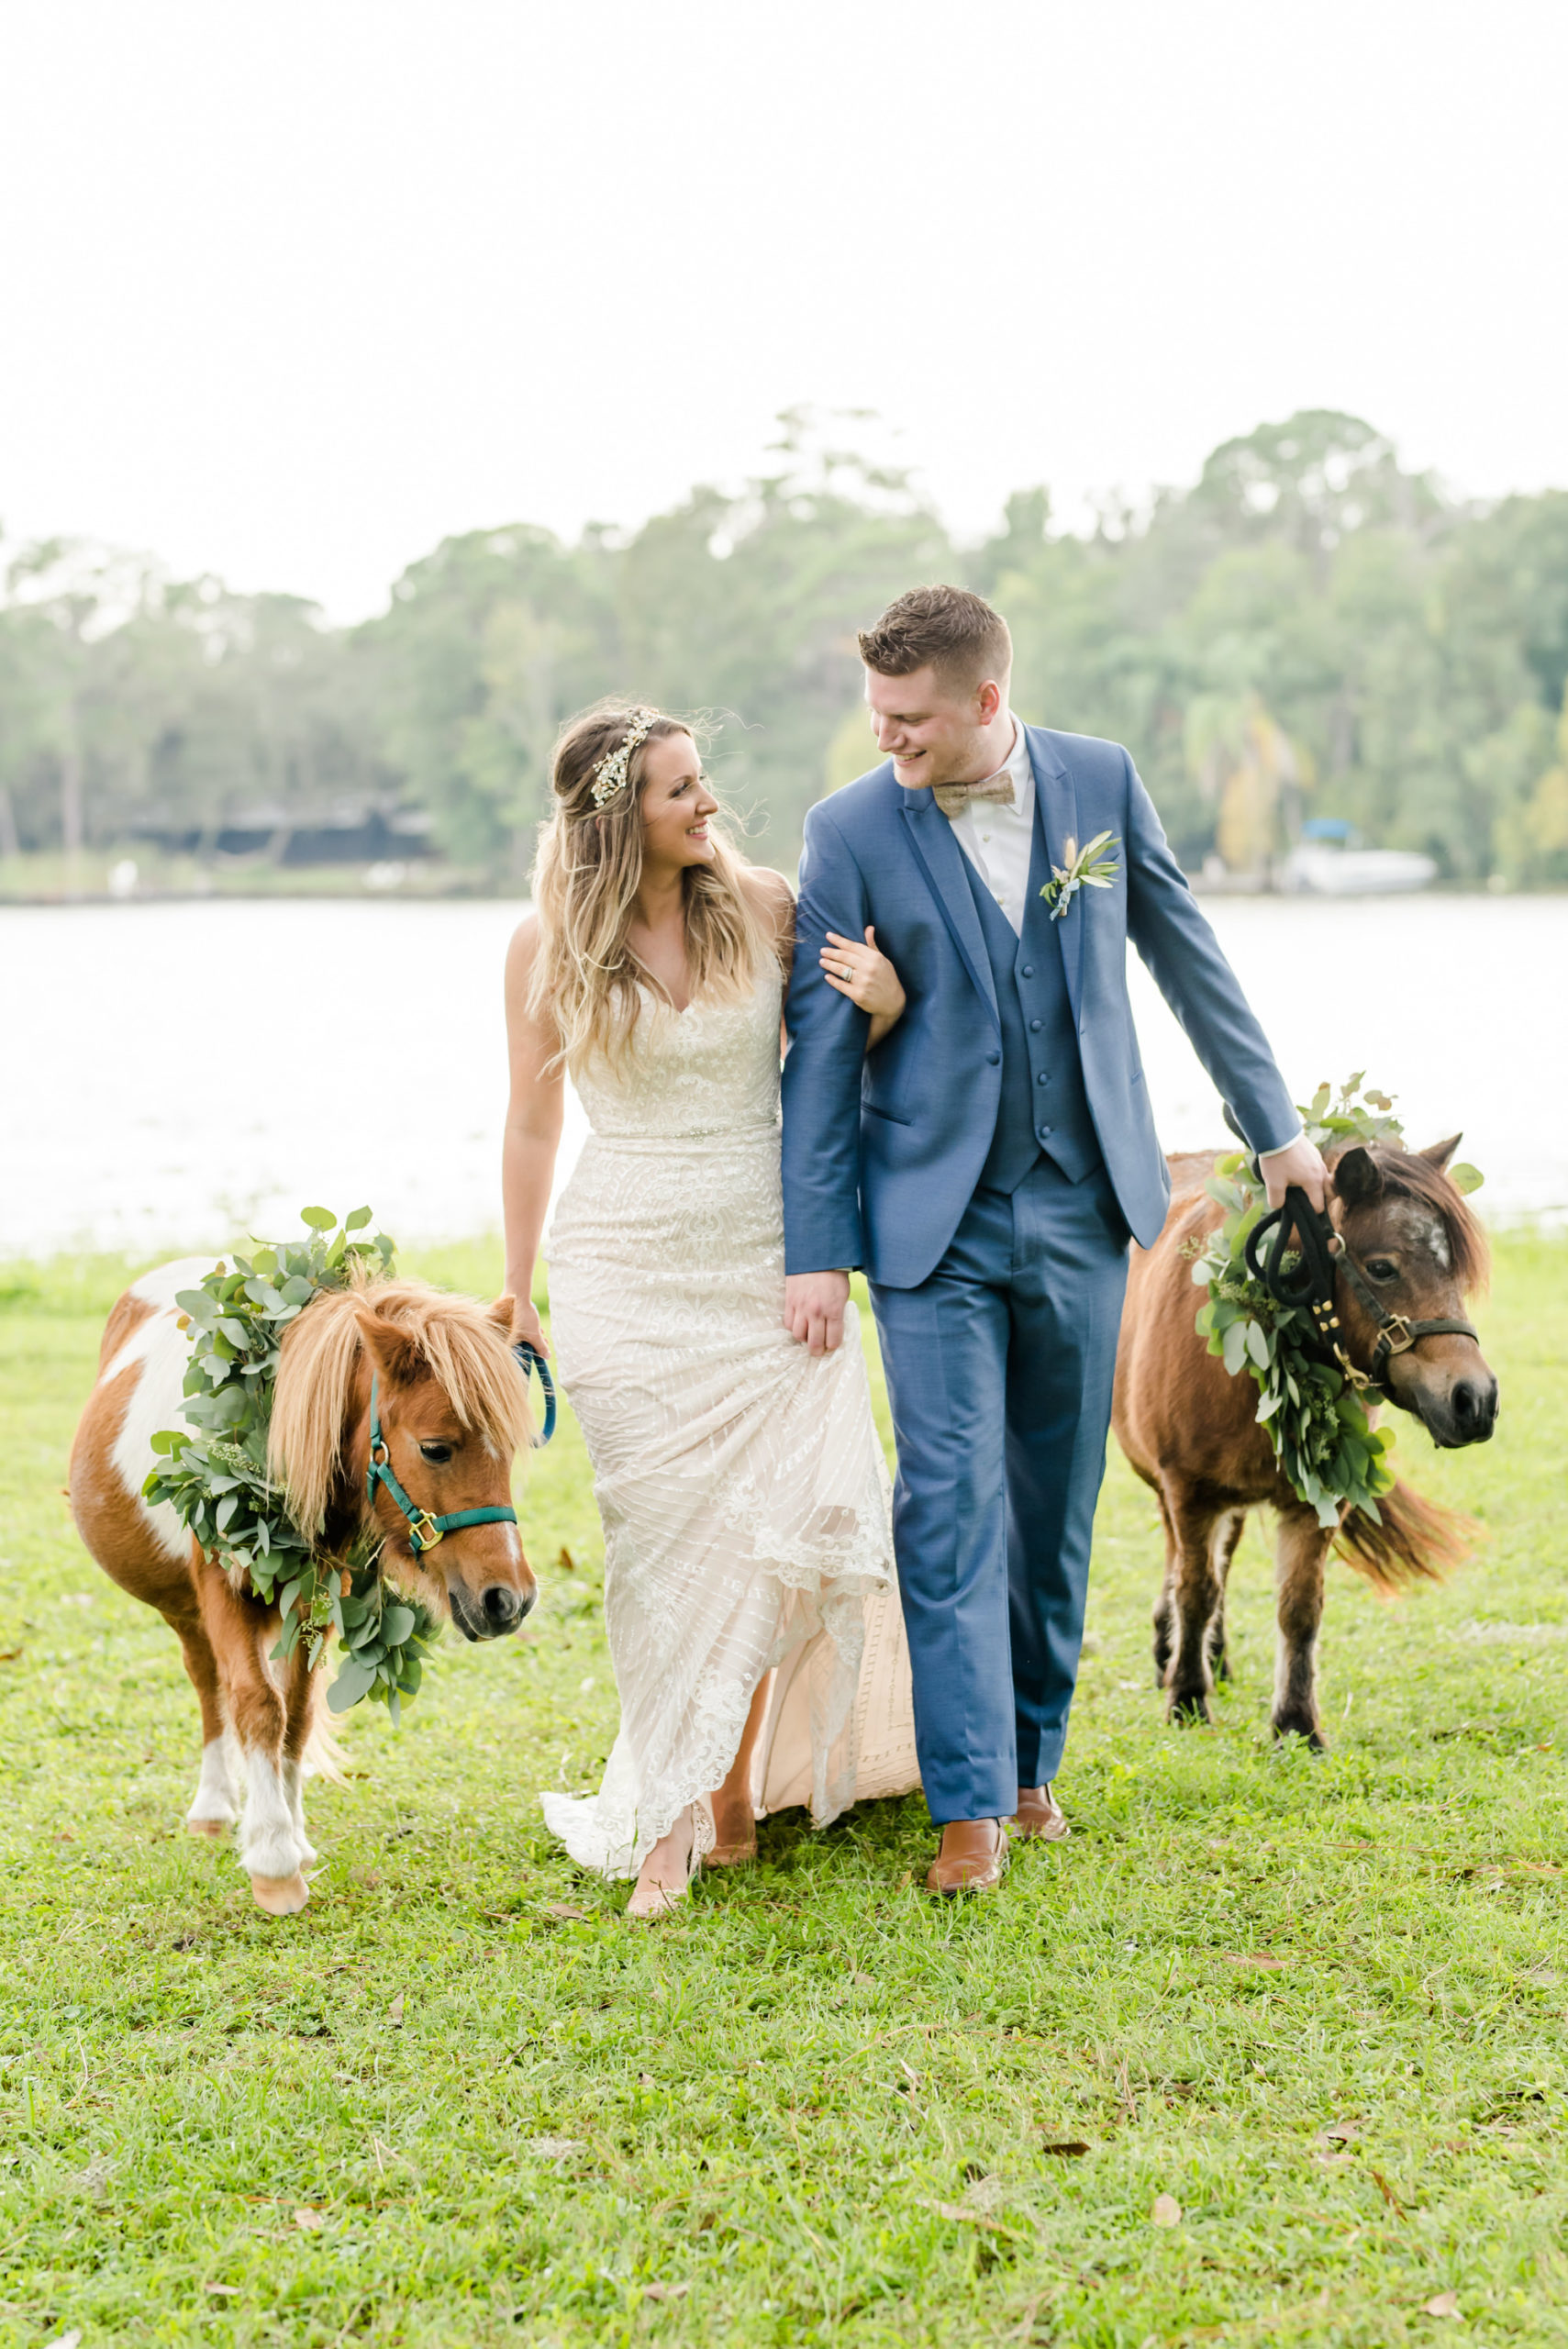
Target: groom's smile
x: 937, y: 731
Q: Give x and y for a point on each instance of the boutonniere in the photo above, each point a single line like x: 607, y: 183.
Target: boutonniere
x: 1086, y: 868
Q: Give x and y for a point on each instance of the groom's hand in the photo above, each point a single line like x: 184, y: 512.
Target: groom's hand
x: 1299, y: 1163
x: 814, y: 1309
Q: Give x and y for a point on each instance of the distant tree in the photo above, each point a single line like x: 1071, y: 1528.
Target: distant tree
x: 1308, y: 616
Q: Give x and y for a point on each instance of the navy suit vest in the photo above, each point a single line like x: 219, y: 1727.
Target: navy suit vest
x: 1044, y: 1107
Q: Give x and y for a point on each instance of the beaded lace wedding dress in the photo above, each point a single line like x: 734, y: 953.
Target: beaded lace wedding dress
x: 740, y: 1480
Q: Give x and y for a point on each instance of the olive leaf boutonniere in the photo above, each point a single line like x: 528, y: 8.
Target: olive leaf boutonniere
x: 1085, y: 867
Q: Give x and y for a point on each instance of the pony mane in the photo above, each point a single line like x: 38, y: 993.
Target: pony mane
x: 1408, y: 1176
x: 462, y: 1349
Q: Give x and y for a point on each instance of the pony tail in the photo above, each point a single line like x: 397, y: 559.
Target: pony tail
x: 1418, y: 1540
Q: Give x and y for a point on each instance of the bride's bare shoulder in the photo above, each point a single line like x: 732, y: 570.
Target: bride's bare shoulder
x: 524, y: 943
x: 522, y: 952
x: 772, y: 899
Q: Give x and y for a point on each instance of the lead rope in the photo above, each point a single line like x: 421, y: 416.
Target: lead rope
x: 531, y: 1360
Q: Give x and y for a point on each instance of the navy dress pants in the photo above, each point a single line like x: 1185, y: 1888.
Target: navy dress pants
x: 999, y: 1371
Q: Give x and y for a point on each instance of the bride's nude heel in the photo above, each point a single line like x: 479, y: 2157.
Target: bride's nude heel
x: 734, y: 1854
x: 650, y: 1901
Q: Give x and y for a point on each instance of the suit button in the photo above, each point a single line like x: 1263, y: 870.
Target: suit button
x: 993, y: 1057
x: 1043, y: 1132
x: 1042, y: 1078
x: 1029, y: 971
x: 1034, y: 1027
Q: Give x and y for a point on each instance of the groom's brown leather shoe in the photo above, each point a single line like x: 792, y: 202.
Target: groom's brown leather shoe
x: 974, y: 1858
x: 1038, y: 1815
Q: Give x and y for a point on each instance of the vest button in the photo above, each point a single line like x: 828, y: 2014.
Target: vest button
x: 1034, y: 1027
x: 993, y: 1057
x: 1042, y: 1078
x: 1028, y: 970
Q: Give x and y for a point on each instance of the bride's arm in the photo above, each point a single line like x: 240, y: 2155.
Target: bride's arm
x: 532, y: 1134
x: 873, y: 984
x: 864, y: 974
x: 772, y: 899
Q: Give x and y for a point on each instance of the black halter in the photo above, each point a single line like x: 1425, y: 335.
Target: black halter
x: 1320, y: 1253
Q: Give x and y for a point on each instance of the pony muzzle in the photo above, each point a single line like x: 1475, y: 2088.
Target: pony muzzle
x: 498, y: 1608
x: 1465, y: 1412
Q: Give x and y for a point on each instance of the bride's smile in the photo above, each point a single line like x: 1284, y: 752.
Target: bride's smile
x: 677, y: 805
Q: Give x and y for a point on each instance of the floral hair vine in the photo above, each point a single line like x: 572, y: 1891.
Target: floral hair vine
x: 609, y: 776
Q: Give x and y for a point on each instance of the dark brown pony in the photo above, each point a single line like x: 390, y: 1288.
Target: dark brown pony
x: 453, y: 1412
x: 1189, y: 1431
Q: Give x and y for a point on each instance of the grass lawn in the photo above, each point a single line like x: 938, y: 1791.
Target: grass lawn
x: 1320, y: 2005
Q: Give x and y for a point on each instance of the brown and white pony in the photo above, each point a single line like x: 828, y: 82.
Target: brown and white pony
x: 453, y: 1411
x: 1188, y: 1428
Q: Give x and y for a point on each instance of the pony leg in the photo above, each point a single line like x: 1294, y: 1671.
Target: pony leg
x: 213, y: 1805
x: 1195, y: 1595
x: 271, y: 1850
x: 1165, y: 1604
x: 1301, y: 1551
x: 299, y: 1704
x: 1226, y: 1534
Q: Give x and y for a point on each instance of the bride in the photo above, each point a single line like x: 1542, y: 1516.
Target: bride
x: 752, y: 1613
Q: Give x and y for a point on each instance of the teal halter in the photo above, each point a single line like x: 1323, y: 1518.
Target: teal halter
x: 424, y: 1530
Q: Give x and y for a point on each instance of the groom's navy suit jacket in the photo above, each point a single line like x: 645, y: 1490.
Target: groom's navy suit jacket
x: 882, y: 1152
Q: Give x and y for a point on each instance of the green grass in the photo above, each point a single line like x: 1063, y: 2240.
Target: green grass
x: 819, y: 2107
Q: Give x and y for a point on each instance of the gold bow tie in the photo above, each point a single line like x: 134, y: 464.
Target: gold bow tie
x: 952, y: 798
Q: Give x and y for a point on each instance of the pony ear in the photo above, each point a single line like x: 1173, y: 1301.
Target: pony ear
x: 395, y: 1350
x: 1441, y: 1151
x: 501, y: 1313
x: 1356, y: 1177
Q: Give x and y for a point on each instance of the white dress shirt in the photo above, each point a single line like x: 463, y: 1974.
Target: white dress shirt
x: 999, y: 840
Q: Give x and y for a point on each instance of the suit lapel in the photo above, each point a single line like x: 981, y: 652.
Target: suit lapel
x: 1057, y: 810
x: 941, y: 859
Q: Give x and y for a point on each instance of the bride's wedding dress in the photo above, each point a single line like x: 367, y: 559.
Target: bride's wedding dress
x: 740, y: 1480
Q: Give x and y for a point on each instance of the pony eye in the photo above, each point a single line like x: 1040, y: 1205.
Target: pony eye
x: 1382, y: 1270
x: 436, y: 1452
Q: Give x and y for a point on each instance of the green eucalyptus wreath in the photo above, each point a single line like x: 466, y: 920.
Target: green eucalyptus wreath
x: 1327, y: 1447
x: 216, y: 1478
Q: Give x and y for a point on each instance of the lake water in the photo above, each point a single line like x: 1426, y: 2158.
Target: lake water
x: 173, y: 1074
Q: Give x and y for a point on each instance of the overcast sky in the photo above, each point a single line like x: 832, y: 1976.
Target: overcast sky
x: 291, y: 291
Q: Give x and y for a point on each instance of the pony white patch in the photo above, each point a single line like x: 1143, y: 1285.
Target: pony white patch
x: 163, y: 1351
x: 1424, y: 1229
x: 270, y: 1844
x: 214, y: 1797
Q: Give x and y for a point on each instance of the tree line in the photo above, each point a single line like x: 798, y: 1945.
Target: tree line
x: 1309, y: 633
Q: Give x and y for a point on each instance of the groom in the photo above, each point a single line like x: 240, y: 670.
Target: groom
x: 987, y: 1165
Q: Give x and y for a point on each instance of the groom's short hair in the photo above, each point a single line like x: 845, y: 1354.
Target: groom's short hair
x: 950, y: 629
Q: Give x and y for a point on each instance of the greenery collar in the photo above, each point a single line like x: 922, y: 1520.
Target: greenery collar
x: 1318, y: 1423
x: 216, y: 1478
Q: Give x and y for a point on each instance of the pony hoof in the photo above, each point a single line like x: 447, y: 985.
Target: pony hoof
x: 1190, y: 1712
x: 1310, y: 1735
x: 281, y: 1896
x: 206, y: 1826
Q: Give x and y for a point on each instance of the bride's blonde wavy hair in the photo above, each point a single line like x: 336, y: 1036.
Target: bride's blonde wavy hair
x: 586, y: 880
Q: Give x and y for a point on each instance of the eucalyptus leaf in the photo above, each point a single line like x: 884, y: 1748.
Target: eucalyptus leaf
x: 354, y: 1680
